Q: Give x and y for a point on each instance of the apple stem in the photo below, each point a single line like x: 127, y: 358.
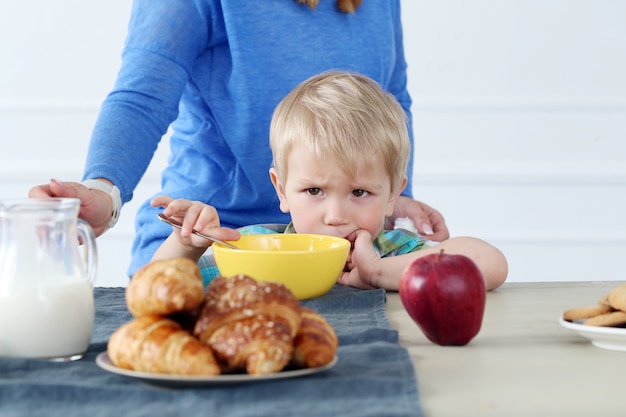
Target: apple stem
x: 439, y: 255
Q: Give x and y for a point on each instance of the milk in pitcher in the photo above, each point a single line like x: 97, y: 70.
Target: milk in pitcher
x: 45, y: 321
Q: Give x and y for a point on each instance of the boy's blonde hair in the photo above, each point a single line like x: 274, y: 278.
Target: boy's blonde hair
x: 345, y: 118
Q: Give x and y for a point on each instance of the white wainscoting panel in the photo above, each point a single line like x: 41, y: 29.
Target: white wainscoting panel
x: 549, y: 231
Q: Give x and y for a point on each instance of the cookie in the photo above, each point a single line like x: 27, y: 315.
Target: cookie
x: 617, y: 298
x: 580, y: 313
x: 614, y: 318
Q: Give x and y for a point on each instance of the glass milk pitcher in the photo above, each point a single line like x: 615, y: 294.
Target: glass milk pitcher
x: 48, y: 263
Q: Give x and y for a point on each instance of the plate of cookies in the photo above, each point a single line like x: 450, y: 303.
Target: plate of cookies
x: 604, y: 324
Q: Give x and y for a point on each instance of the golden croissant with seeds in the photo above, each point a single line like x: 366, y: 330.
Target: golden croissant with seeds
x: 249, y: 325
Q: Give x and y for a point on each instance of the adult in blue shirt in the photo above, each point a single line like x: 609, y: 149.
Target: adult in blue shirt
x: 215, y: 70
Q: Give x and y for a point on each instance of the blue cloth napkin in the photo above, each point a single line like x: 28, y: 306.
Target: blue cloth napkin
x: 374, y: 375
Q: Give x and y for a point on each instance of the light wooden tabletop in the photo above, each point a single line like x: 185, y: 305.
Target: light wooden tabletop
x: 523, y: 362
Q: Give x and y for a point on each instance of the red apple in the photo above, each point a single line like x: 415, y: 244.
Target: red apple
x: 445, y: 295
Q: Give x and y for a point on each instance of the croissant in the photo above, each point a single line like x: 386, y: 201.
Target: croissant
x: 316, y: 341
x: 249, y: 324
x: 257, y: 344
x: 156, y: 344
x: 164, y: 287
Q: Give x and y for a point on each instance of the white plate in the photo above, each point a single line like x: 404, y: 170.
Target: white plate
x: 611, y: 338
x: 104, y: 362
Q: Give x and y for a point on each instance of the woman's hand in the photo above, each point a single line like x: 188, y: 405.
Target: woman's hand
x: 96, y: 206
x: 428, y: 221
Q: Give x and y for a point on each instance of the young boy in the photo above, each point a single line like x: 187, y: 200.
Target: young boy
x: 340, y: 152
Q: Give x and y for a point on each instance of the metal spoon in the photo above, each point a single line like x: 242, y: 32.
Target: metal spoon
x: 176, y: 224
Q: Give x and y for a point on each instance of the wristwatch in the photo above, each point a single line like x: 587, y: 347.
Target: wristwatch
x: 113, y: 192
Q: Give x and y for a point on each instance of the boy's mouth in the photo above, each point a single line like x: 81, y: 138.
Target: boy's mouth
x: 351, y: 237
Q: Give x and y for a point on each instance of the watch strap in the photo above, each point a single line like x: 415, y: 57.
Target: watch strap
x: 113, y: 192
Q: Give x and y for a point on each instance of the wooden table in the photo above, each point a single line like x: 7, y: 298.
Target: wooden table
x: 522, y: 363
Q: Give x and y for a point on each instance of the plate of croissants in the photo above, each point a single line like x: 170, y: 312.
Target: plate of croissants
x: 235, y: 330
x: 173, y: 380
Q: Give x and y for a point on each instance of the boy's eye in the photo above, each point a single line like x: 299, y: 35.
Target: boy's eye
x: 313, y: 191
x: 359, y: 193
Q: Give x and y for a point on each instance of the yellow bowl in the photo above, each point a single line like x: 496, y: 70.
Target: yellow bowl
x: 307, y: 264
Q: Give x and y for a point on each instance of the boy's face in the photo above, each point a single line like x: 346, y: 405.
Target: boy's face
x: 323, y: 199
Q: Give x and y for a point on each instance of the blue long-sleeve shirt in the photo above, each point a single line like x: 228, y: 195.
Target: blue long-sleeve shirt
x: 215, y: 70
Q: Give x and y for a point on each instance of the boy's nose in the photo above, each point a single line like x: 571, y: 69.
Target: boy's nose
x: 336, y: 214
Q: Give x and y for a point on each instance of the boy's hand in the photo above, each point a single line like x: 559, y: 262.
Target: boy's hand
x: 194, y: 215
x: 362, y: 263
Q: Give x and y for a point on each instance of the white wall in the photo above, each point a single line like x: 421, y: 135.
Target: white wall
x: 519, y: 106
x: 520, y: 120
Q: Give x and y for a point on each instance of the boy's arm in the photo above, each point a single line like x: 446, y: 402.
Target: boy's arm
x: 368, y: 270
x: 173, y: 248
x: 181, y: 243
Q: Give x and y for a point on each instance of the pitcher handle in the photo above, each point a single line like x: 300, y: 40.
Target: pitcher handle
x: 90, y: 253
